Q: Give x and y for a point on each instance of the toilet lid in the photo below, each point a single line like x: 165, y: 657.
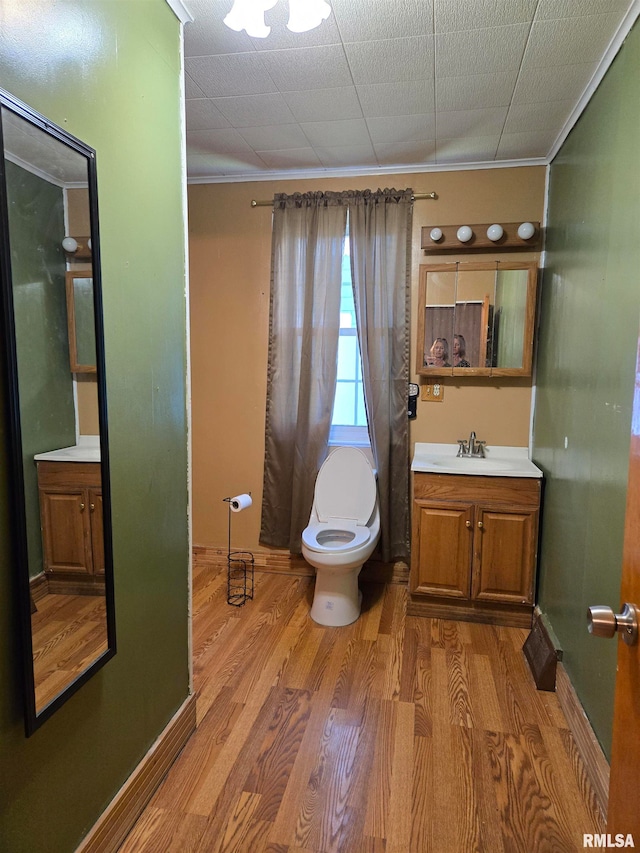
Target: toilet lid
x: 346, y: 486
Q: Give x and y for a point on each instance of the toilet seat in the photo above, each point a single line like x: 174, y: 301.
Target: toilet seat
x: 345, y: 487
x: 337, y: 535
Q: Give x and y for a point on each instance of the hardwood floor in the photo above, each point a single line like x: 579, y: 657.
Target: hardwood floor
x: 396, y: 734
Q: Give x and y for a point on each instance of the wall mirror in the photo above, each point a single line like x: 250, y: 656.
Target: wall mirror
x: 476, y: 319
x: 56, y: 407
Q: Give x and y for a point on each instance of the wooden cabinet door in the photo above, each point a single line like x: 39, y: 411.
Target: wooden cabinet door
x: 441, y: 562
x: 65, y: 532
x: 504, y: 554
x: 97, y: 531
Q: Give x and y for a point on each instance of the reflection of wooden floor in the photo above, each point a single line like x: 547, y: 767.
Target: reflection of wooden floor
x: 69, y: 632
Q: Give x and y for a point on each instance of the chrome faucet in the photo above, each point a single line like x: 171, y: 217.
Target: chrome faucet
x: 473, y: 447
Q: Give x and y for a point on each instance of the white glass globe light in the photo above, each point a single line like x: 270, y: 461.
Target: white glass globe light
x: 435, y: 234
x: 526, y: 231
x: 495, y: 232
x: 69, y: 244
x: 464, y: 233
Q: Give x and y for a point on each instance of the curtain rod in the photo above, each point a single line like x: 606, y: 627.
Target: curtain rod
x: 414, y: 197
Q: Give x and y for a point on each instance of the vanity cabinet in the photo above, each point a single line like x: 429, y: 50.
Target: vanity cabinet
x: 474, y: 547
x: 72, y: 526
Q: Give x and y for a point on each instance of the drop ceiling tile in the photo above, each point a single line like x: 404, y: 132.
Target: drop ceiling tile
x: 402, y: 128
x: 559, y: 82
x: 280, y: 136
x: 328, y: 133
x: 225, y: 141
x: 255, y: 110
x: 202, y: 114
x: 324, y: 104
x: 314, y: 68
x: 483, y: 51
x: 201, y: 166
x: 469, y: 149
x: 553, y: 42
x: 391, y: 60
x: 396, y: 99
x: 516, y: 146
x: 405, y: 153
x: 579, y: 8
x: 345, y: 156
x: 291, y: 158
x: 533, y: 118
x: 476, y: 91
x: 454, y: 16
x: 207, y: 35
x: 473, y: 123
x: 191, y: 89
x: 230, y: 75
x: 244, y: 165
x: 363, y: 20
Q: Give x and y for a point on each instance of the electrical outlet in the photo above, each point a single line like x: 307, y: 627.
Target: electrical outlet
x: 433, y: 392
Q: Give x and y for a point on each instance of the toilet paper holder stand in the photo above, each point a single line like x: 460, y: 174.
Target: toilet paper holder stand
x: 240, y: 570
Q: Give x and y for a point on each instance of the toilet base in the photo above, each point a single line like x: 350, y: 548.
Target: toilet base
x: 337, y: 598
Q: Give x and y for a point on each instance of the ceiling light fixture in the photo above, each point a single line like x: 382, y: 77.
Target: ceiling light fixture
x: 248, y: 15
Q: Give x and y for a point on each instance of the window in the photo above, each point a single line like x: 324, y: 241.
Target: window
x: 349, y: 419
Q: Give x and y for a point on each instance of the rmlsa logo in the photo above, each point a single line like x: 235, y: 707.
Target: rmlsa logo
x: 604, y: 840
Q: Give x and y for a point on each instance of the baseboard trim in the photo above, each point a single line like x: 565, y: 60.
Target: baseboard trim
x: 594, y: 759
x: 118, y: 819
x: 279, y: 561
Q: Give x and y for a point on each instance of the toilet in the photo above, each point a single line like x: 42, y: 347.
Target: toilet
x: 342, y: 533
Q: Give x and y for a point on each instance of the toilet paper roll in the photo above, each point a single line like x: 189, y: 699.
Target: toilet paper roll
x: 240, y: 502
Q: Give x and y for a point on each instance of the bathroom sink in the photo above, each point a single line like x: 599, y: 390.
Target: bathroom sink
x: 500, y: 461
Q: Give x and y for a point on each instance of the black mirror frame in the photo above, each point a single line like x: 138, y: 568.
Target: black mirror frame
x: 34, y: 719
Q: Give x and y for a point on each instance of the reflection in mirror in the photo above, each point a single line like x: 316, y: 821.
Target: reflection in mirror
x: 81, y: 322
x: 58, y: 417
x: 478, y: 316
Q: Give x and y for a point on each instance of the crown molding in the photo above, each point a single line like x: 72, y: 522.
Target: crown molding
x: 610, y: 54
x: 180, y: 11
x: 416, y: 168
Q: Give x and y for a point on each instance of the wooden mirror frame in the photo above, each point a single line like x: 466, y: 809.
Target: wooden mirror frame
x: 35, y: 715
x: 529, y: 320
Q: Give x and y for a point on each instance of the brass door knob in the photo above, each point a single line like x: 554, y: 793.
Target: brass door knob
x: 603, y: 622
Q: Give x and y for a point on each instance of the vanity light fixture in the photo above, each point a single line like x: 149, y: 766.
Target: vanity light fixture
x: 77, y: 248
x: 526, y: 231
x: 481, y: 237
x: 248, y: 15
x: 70, y: 244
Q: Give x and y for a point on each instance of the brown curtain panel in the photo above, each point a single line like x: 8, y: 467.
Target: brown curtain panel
x: 308, y: 239
x: 380, y: 240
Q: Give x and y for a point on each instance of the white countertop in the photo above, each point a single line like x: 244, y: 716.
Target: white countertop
x: 86, y: 450
x: 500, y: 461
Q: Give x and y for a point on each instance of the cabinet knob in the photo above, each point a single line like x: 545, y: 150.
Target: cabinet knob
x: 468, y: 523
x: 92, y: 507
x: 81, y: 507
x: 480, y: 525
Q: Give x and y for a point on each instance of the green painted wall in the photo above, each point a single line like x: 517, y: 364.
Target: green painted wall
x: 109, y: 72
x: 585, y: 377
x: 36, y: 225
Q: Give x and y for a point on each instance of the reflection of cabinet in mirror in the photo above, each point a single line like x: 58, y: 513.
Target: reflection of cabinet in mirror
x: 72, y: 527
x: 80, y: 321
x: 476, y: 319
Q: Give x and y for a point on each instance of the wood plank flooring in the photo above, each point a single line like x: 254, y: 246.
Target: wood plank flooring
x: 395, y: 734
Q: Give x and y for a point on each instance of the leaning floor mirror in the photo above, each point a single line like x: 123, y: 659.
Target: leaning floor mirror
x: 56, y: 406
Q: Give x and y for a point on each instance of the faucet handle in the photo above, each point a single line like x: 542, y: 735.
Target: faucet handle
x: 480, y: 445
x: 463, y: 448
